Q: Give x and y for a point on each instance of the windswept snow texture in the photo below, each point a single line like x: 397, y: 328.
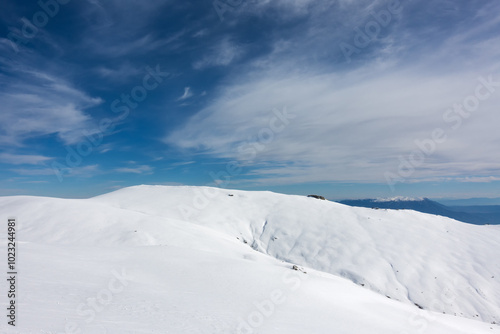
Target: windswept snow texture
x: 208, y: 260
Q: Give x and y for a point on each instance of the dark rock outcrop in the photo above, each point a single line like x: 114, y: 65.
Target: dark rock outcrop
x: 317, y: 197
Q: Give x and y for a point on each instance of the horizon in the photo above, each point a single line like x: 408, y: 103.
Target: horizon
x: 474, y: 201
x: 348, y: 100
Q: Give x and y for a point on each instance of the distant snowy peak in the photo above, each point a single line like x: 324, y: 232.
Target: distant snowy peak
x: 388, y: 199
x: 399, y: 199
x: 426, y: 205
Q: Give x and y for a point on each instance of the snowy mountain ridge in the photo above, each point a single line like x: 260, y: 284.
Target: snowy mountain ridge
x: 392, y: 199
x: 399, y: 199
x: 370, y: 247
x: 175, y: 241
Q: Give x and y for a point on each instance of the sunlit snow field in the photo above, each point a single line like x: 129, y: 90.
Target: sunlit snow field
x: 157, y: 259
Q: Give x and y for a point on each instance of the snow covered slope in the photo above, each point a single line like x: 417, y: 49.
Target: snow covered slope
x: 438, y: 263
x: 154, y: 259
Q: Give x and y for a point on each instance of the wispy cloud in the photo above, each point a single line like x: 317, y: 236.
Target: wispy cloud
x: 342, y: 131
x: 140, y: 46
x: 142, y: 169
x: 482, y: 179
x: 187, y: 94
x: 222, y: 54
x: 19, y: 159
x: 35, y: 103
x: 123, y: 29
x: 183, y: 163
x: 120, y: 73
x: 354, y: 123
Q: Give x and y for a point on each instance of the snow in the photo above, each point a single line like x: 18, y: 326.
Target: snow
x: 157, y: 259
x: 399, y: 199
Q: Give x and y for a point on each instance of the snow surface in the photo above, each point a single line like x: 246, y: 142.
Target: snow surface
x: 399, y: 199
x: 209, y: 260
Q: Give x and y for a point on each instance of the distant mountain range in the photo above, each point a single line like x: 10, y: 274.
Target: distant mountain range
x: 478, y: 214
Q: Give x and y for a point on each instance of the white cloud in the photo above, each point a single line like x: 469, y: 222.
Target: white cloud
x: 348, y: 126
x: 142, y: 169
x: 354, y: 122
x: 187, y: 94
x: 121, y: 73
x: 18, y: 159
x: 482, y: 179
x: 222, y: 54
x: 142, y: 45
x: 123, y: 28
x: 200, y: 33
x: 38, y: 104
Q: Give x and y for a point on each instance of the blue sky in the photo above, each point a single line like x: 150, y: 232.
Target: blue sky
x: 342, y: 98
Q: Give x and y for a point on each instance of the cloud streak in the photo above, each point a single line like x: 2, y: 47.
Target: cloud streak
x: 187, y: 94
x: 17, y: 159
x: 354, y: 124
x: 36, y: 104
x: 142, y: 169
x: 222, y: 54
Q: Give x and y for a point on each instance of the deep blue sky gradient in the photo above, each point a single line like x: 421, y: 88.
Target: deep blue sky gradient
x: 352, y: 119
